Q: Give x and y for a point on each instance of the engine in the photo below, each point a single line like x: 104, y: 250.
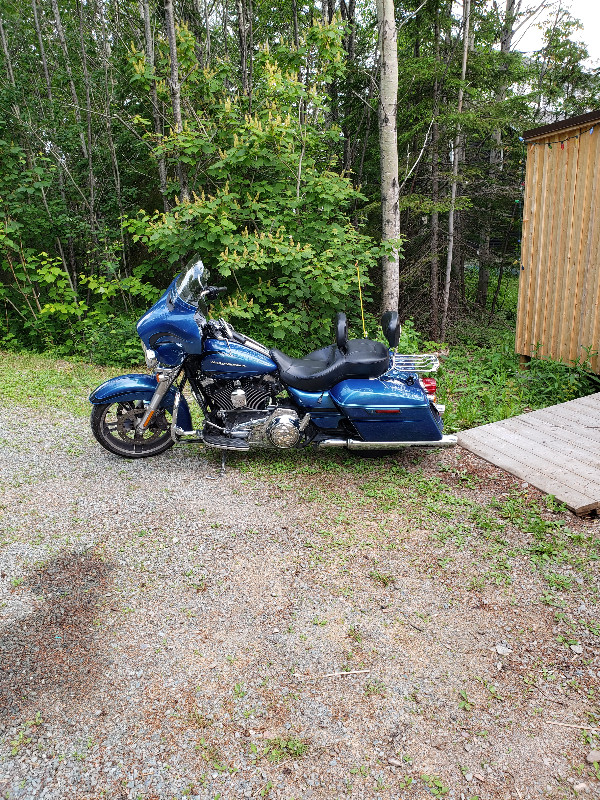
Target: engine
x: 246, y: 411
x: 227, y: 395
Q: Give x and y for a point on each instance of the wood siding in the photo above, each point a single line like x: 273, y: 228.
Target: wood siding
x: 558, y: 313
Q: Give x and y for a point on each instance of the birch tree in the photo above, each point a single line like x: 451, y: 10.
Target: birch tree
x: 388, y: 144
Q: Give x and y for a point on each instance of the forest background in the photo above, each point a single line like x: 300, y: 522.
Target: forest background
x: 134, y: 134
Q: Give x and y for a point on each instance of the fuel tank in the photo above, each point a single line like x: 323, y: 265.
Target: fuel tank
x: 226, y: 359
x: 387, y: 410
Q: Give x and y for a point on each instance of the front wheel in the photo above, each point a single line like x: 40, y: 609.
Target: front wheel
x: 114, y: 426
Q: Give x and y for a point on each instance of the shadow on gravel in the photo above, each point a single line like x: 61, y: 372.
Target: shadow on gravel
x: 54, y: 649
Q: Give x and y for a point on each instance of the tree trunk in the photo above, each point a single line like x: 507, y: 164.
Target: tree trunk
x: 89, y: 142
x: 496, y: 161
x: 176, y: 92
x: 63, y: 43
x: 435, y: 194
x: 455, y: 158
x: 158, y: 132
x: 388, y: 144
x: 9, y: 69
x: 243, y: 39
x: 483, y: 279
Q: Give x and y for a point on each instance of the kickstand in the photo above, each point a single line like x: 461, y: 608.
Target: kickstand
x: 223, y: 458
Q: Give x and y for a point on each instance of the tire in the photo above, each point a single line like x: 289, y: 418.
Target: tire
x: 113, y: 426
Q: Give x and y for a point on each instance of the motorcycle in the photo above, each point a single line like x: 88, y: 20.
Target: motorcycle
x: 355, y: 394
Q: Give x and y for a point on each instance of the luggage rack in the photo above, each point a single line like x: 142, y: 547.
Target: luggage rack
x: 428, y: 362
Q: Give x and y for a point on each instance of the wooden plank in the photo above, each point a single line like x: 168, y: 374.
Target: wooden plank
x: 564, y: 433
x: 570, y: 472
x: 564, y: 317
x: 574, y: 500
x: 521, y: 463
x: 571, y: 342
x: 529, y: 221
x: 580, y: 415
x: 557, y: 202
x: 527, y: 238
x: 593, y: 334
x: 573, y: 422
x: 566, y: 450
x: 532, y: 267
x: 588, y: 256
x: 542, y: 277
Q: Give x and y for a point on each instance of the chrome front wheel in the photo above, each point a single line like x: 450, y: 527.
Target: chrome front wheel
x: 114, y: 426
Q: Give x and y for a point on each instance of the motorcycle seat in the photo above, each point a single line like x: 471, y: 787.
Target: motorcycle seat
x: 322, y: 369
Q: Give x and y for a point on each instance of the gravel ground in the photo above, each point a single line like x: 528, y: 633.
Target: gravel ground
x: 168, y: 634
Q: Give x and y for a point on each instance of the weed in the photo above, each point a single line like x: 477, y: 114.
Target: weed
x: 435, y: 785
x: 279, y: 749
x: 354, y: 634
x: 321, y: 622
x: 464, y: 703
x: 375, y: 687
x: 384, y: 580
x: 239, y: 691
x: 16, y: 582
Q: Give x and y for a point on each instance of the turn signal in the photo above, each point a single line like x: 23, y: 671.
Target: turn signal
x: 430, y: 386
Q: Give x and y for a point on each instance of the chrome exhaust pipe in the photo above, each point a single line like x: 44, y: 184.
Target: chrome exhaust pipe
x: 355, y: 444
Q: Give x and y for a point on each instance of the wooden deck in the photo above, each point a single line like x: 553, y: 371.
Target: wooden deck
x: 556, y: 450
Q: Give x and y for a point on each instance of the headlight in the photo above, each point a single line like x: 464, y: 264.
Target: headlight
x: 150, y: 356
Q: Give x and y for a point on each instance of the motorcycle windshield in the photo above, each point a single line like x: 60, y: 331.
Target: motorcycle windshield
x: 192, y: 282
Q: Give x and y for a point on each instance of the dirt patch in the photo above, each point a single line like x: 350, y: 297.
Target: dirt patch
x: 55, y: 648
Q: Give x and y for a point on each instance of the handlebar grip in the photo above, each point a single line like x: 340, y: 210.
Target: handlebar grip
x: 239, y: 337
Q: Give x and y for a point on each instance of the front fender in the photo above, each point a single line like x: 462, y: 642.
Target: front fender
x: 127, y: 388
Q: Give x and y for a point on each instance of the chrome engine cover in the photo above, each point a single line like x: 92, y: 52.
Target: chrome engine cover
x: 283, y: 428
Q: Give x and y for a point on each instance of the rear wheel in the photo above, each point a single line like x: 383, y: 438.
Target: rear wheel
x: 114, y: 426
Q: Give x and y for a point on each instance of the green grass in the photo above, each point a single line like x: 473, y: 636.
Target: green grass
x: 39, y: 382
x: 480, y: 380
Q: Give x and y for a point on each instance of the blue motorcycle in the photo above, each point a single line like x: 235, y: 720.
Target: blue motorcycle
x: 355, y: 394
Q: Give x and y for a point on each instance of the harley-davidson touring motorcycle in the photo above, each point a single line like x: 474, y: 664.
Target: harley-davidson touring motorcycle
x: 356, y: 394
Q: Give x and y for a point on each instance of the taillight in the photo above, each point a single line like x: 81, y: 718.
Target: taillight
x: 430, y: 386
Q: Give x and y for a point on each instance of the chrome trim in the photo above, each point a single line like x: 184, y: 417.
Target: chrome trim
x: 426, y: 362
x: 354, y: 444
x: 165, y: 378
x: 175, y: 415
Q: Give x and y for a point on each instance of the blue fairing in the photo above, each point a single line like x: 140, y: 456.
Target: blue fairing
x: 127, y: 388
x: 170, y: 329
x: 226, y: 359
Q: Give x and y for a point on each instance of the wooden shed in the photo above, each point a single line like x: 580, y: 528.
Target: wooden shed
x: 558, y: 313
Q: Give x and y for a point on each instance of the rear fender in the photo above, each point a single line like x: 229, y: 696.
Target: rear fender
x: 127, y: 388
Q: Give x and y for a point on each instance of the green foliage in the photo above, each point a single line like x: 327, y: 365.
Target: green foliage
x: 276, y: 224
x: 481, y: 381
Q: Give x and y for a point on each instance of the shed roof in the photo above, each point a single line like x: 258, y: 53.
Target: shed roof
x: 562, y: 124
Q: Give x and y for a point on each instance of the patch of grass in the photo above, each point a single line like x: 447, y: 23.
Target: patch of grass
x: 280, y: 749
x: 379, y: 577
x: 39, y: 382
x: 435, y: 785
x: 375, y: 688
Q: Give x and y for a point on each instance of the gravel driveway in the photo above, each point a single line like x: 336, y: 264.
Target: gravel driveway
x: 168, y: 634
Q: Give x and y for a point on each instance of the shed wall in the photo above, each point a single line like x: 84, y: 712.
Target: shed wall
x: 558, y: 312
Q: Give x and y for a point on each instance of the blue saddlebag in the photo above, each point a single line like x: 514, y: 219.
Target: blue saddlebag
x: 387, y: 410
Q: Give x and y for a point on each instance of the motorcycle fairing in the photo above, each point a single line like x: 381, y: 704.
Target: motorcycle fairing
x: 170, y: 328
x: 387, y: 409
x: 128, y: 388
x: 226, y: 359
